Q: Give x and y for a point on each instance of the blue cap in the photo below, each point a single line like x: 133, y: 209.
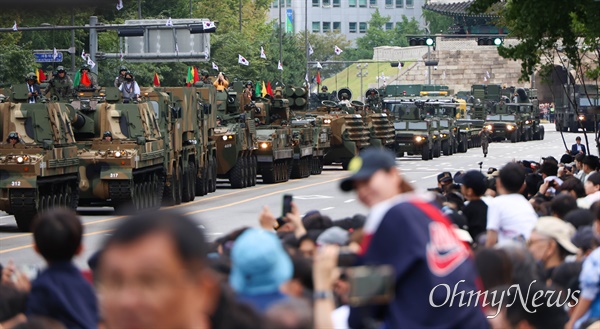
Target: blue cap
x: 366, y: 164
x: 259, y: 264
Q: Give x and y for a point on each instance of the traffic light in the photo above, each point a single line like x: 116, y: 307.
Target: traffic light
x: 422, y: 41
x: 131, y: 32
x: 488, y: 41
x: 397, y: 64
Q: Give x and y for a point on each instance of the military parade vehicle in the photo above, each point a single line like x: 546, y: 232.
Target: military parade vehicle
x: 575, y: 107
x: 275, y: 152
x: 235, y: 138
x: 377, y: 123
x: 39, y: 166
x: 121, y: 150
x: 305, y: 145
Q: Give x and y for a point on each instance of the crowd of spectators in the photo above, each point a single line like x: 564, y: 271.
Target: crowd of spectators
x: 527, y: 231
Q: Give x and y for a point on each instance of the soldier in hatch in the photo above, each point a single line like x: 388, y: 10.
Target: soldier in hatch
x: 87, y: 83
x: 121, y: 77
x: 61, y: 85
x: 14, y: 138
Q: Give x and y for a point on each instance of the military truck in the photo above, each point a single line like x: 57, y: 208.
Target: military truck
x: 275, y: 152
x: 121, y: 150
x: 235, y: 138
x: 185, y: 126
x: 586, y: 98
x: 305, y: 146
x: 320, y: 122
x: 39, y: 166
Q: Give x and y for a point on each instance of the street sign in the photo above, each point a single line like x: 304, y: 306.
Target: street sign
x: 48, y: 57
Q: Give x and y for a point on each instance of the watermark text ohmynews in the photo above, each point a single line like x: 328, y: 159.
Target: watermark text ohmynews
x: 455, y: 296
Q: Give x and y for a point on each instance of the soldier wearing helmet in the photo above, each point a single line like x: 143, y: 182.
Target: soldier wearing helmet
x: 83, y: 82
x: 204, y: 77
x: 121, y: 77
x: 60, y: 85
x: 130, y: 88
x: 248, y: 92
x: 107, y: 136
x: 14, y: 138
x: 345, y: 101
x: 33, y: 87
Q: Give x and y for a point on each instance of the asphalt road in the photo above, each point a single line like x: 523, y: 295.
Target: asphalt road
x: 228, y: 209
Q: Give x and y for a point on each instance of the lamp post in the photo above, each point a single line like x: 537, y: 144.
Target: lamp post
x: 362, y: 74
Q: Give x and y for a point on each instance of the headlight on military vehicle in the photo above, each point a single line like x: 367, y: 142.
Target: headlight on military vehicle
x: 419, y: 138
x: 488, y: 127
x: 581, y: 117
x: 20, y: 159
x: 444, y: 135
x: 118, y: 154
x: 510, y: 127
x: 264, y: 145
x: 327, y: 121
x: 527, y: 122
x: 224, y: 137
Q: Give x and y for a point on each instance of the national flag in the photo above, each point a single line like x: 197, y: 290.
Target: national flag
x: 54, y: 54
x: 400, y: 66
x: 214, y: 66
x: 269, y: 90
x: 209, y: 25
x: 169, y: 22
x: 318, y: 77
x: 484, y: 79
x: 242, y: 60
x: 156, y: 81
x: 337, y: 50
x: 83, y: 55
x: 206, y: 54
x: 196, y: 75
x: 15, y: 27
x: 257, y: 90
x: 40, y: 75
x: 85, y: 80
x: 487, y: 74
x: 263, y: 90
x: 121, y: 55
x: 279, y: 66
x: 120, y: 5
x: 190, y: 76
x: 319, y: 66
x: 262, y: 53
x: 91, y: 62
x: 77, y: 79
x: 310, y: 50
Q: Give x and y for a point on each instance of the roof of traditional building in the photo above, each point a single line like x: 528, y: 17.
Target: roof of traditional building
x: 454, y: 9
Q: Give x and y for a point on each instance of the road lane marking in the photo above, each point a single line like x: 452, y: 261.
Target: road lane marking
x: 349, y: 200
x: 194, y: 212
x: 429, y: 176
x: 328, y: 208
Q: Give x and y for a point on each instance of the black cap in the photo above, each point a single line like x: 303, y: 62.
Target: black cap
x: 475, y: 180
x: 13, y: 135
x: 444, y: 177
x: 366, y: 164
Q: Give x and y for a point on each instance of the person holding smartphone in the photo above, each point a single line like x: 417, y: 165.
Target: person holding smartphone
x: 410, y: 233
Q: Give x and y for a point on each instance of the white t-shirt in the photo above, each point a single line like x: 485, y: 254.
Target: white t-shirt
x: 511, y: 215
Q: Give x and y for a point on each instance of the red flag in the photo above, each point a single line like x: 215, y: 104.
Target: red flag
x: 196, y: 76
x: 85, y: 80
x: 319, y: 77
x: 156, y: 81
x: 269, y: 90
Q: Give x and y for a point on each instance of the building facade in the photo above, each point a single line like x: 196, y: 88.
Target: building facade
x: 349, y: 17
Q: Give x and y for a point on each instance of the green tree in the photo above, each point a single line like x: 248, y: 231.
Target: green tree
x: 438, y: 23
x: 16, y: 63
x: 404, y: 28
x: 376, y: 36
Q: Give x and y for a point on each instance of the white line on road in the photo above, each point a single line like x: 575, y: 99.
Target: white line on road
x: 349, y: 200
x: 328, y: 208
x: 429, y: 176
x: 218, y: 233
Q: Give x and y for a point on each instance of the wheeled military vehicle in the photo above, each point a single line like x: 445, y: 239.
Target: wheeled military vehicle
x: 39, y: 165
x: 586, y: 98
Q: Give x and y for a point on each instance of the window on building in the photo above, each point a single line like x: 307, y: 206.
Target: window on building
x: 288, y: 3
x: 410, y: 4
x: 372, y: 3
x: 399, y: 3
x: 326, y: 26
x: 316, y: 27
x: 337, y: 3
x: 351, y: 27
x: 337, y: 26
x: 316, y: 3
x: 326, y: 3
x: 352, y: 3
x: 389, y: 3
x: 362, y: 27
x: 362, y: 3
x: 274, y: 4
x: 389, y: 26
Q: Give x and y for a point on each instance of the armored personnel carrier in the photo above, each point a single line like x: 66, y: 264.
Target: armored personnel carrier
x: 307, y: 144
x: 121, y: 150
x: 235, y: 138
x: 39, y: 166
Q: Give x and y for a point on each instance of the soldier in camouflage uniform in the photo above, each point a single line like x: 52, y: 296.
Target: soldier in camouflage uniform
x: 121, y: 77
x: 60, y: 85
x: 93, y: 81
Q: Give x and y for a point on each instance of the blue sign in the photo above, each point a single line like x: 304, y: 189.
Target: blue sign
x: 48, y: 57
x: 289, y: 22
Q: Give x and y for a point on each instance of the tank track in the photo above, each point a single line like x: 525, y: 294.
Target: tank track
x: 23, y: 207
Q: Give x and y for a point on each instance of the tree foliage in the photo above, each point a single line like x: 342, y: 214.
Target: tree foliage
x: 437, y: 23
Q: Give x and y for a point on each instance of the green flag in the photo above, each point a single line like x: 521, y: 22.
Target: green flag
x: 190, y: 76
x: 257, y: 90
x: 77, y: 79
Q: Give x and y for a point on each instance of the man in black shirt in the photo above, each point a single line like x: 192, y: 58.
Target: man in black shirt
x: 473, y: 186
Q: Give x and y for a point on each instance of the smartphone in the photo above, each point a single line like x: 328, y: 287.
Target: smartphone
x: 371, y: 285
x: 287, y: 205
